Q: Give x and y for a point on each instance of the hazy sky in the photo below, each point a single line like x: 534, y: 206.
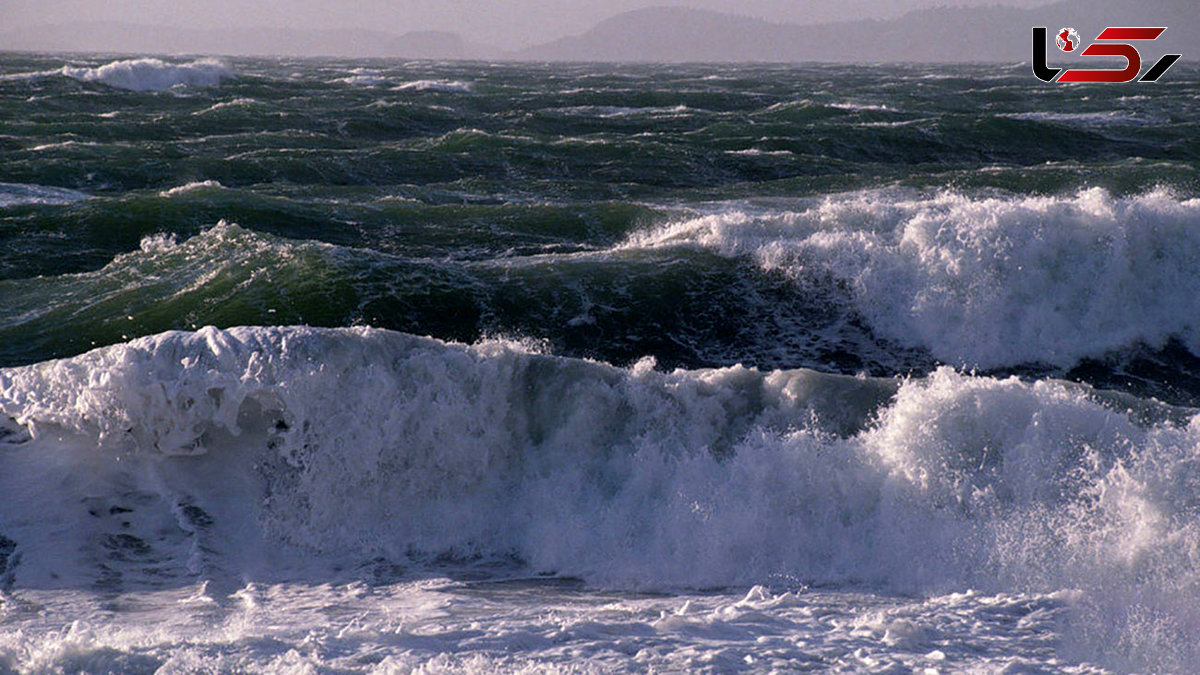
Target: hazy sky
x: 502, y: 23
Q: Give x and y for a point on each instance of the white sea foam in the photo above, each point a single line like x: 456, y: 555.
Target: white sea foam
x: 435, y: 85
x: 62, y: 144
x: 440, y: 626
x: 852, y: 105
x: 610, y: 111
x: 1092, y: 119
x: 192, y: 187
x: 16, y: 77
x: 272, y: 452
x: 152, y: 74
x: 240, y: 102
x: 985, y: 281
x: 759, y: 152
x: 364, y: 80
x: 12, y: 194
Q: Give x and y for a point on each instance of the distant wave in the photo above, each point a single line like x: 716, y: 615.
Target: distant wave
x: 364, y: 80
x: 612, y: 111
x: 435, y: 85
x: 225, y: 105
x: 17, y: 77
x: 1091, y: 120
x: 152, y: 74
x: 12, y: 194
x: 985, y: 281
x: 192, y: 187
x: 852, y: 105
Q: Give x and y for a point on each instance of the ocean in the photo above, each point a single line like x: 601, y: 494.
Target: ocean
x: 371, y: 366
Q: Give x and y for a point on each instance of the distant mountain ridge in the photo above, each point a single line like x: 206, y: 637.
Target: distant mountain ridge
x: 944, y: 34
x: 672, y: 34
x: 676, y: 34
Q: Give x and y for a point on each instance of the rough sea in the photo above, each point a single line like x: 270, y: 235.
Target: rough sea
x: 334, y: 366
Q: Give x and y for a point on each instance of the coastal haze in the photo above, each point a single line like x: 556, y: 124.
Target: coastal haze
x: 633, y: 30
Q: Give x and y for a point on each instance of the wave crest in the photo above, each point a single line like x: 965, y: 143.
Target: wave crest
x: 445, y: 86
x: 986, y: 282
x: 13, y: 194
x: 320, y: 448
x: 152, y: 74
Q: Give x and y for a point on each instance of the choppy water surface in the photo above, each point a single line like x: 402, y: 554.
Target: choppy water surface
x: 372, y: 366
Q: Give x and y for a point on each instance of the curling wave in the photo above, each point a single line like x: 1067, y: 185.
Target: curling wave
x: 223, y: 451
x: 987, y: 282
x: 152, y: 74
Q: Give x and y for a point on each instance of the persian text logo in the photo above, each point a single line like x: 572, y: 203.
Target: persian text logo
x: 1106, y: 44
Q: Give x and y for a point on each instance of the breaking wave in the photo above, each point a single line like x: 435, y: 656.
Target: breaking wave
x: 223, y: 451
x: 152, y: 74
x: 451, y: 86
x: 982, y: 281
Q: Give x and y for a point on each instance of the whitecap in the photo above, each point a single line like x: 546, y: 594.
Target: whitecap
x: 152, y: 74
x: 191, y: 187
x: 984, y: 281
x: 450, y: 86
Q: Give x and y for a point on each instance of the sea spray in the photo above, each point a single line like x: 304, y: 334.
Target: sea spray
x: 152, y: 74
x: 343, y: 446
x: 987, y: 282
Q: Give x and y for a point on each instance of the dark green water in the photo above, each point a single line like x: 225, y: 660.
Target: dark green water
x: 849, y: 218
